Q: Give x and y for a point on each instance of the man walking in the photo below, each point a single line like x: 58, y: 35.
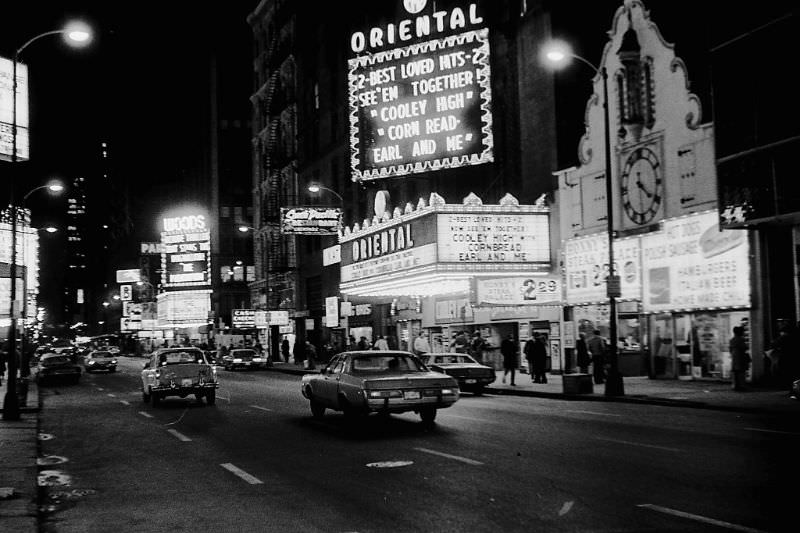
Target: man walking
x: 508, y: 348
x: 740, y: 359
x: 597, y: 349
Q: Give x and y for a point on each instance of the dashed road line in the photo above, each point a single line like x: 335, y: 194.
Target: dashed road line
x: 630, y: 443
x: 772, y: 431
x: 145, y: 414
x: 448, y: 456
x: 261, y: 408
x: 101, y: 389
x: 591, y: 413
x: 124, y: 402
x: 698, y: 518
x: 178, y: 435
x: 111, y: 395
x: 241, y: 473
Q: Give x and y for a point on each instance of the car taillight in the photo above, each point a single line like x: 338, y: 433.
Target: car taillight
x: 385, y: 394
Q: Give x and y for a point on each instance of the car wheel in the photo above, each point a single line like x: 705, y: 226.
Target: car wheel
x: 211, y: 397
x: 477, y: 391
x: 317, y: 409
x: 155, y: 398
x: 428, y: 415
x: 145, y: 396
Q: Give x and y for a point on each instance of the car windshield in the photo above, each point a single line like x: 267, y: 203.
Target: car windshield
x: 450, y: 359
x: 55, y: 360
x: 101, y: 354
x: 244, y: 354
x: 180, y: 357
x: 384, y: 364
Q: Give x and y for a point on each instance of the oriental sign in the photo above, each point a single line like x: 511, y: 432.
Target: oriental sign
x: 425, y: 106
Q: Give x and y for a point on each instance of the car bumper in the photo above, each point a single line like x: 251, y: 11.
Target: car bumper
x: 402, y: 405
x: 101, y: 366
x: 174, y: 388
x: 471, y: 382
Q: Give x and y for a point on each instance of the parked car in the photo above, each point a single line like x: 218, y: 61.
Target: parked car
x: 471, y: 375
x: 179, y: 372
x: 243, y: 358
x: 361, y: 382
x: 57, y: 366
x: 100, y: 360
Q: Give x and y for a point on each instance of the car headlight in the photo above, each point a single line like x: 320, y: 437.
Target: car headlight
x: 113, y: 361
x: 237, y: 360
x: 91, y: 362
x: 448, y: 391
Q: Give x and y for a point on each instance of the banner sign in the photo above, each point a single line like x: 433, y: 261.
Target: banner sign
x: 332, y: 255
x: 183, y: 307
x: 494, y: 238
x: 518, y: 290
x: 692, y: 264
x: 586, y: 268
x: 332, y: 311
x: 131, y: 275
x: 7, y: 107
x: 311, y: 220
x: 265, y: 319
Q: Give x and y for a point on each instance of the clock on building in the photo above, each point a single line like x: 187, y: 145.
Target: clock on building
x: 642, y: 185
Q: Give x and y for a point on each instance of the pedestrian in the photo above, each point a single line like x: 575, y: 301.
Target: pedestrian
x: 285, y: 349
x: 477, y: 346
x: 310, y: 355
x: 596, y: 345
x: 583, y: 353
x: 740, y: 359
x: 462, y: 343
x: 298, y: 351
x: 351, y: 343
x: 508, y: 348
x: 537, y: 359
x: 381, y: 344
x: 421, y: 345
x: 363, y: 344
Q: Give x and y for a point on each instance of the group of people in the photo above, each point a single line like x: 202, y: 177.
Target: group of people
x: 592, y: 351
x: 782, y: 360
x: 535, y: 353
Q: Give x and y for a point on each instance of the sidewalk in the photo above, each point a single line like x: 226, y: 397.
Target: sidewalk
x: 18, y: 468
x: 716, y: 395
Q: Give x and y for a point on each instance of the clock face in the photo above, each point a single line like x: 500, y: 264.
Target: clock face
x: 642, y: 186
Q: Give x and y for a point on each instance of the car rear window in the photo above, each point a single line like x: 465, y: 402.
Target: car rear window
x: 384, y: 364
x: 244, y: 353
x: 101, y: 354
x: 57, y: 360
x: 176, y: 358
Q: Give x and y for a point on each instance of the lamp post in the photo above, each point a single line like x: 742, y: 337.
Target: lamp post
x: 556, y: 54
x: 316, y: 187
x: 79, y: 34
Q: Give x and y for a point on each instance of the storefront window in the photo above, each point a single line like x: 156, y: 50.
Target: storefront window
x: 661, y: 341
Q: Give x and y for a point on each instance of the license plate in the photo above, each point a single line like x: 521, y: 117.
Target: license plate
x: 247, y: 363
x: 470, y: 381
x: 411, y: 395
x: 186, y: 383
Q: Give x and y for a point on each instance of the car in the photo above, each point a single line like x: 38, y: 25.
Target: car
x: 383, y: 381
x: 471, y: 375
x: 243, y: 358
x: 179, y: 372
x: 57, y: 366
x: 100, y: 360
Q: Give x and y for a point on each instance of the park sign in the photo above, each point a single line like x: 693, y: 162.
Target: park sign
x: 423, y: 106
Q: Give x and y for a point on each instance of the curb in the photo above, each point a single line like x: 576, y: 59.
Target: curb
x: 642, y: 400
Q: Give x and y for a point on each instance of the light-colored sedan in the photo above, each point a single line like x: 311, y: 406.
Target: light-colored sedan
x: 363, y: 382
x: 179, y: 372
x: 100, y: 360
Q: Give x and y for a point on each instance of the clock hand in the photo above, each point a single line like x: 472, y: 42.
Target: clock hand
x: 648, y: 193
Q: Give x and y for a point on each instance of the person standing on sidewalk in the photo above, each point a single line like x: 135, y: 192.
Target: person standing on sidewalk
x: 740, y: 359
x: 583, y: 353
x: 421, y: 345
x: 597, y: 349
x: 536, y: 354
x: 508, y: 348
x: 381, y: 344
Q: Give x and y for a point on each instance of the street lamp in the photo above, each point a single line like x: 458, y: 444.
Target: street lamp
x: 557, y: 53
x: 316, y: 187
x: 77, y: 34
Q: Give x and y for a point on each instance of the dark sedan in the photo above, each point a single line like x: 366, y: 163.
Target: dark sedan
x: 57, y: 366
x: 470, y: 374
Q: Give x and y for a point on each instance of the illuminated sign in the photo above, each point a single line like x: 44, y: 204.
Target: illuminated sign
x: 311, y: 220
x: 586, y: 268
x: 150, y: 248
x: 7, y: 107
x: 494, y: 238
x: 131, y: 275
x: 422, y: 107
x: 692, y: 264
x: 184, y: 308
x: 332, y: 311
x: 517, y: 290
x: 243, y: 318
x: 332, y: 255
x: 185, y: 251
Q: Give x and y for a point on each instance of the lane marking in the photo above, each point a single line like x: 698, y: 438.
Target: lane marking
x: 698, y: 518
x: 565, y: 508
x: 146, y: 415
x: 259, y: 407
x: 110, y: 395
x: 242, y: 474
x: 772, y: 431
x: 591, y: 413
x: 178, y: 435
x: 100, y: 389
x: 389, y: 464
x: 665, y: 448
x: 124, y: 402
x: 448, y: 456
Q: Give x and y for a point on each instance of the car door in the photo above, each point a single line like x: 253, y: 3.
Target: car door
x: 327, y: 384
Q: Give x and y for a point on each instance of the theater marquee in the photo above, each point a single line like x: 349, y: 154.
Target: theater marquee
x: 186, y: 251
x: 425, y: 106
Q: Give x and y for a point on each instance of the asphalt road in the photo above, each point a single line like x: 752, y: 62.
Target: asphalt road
x: 257, y: 461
